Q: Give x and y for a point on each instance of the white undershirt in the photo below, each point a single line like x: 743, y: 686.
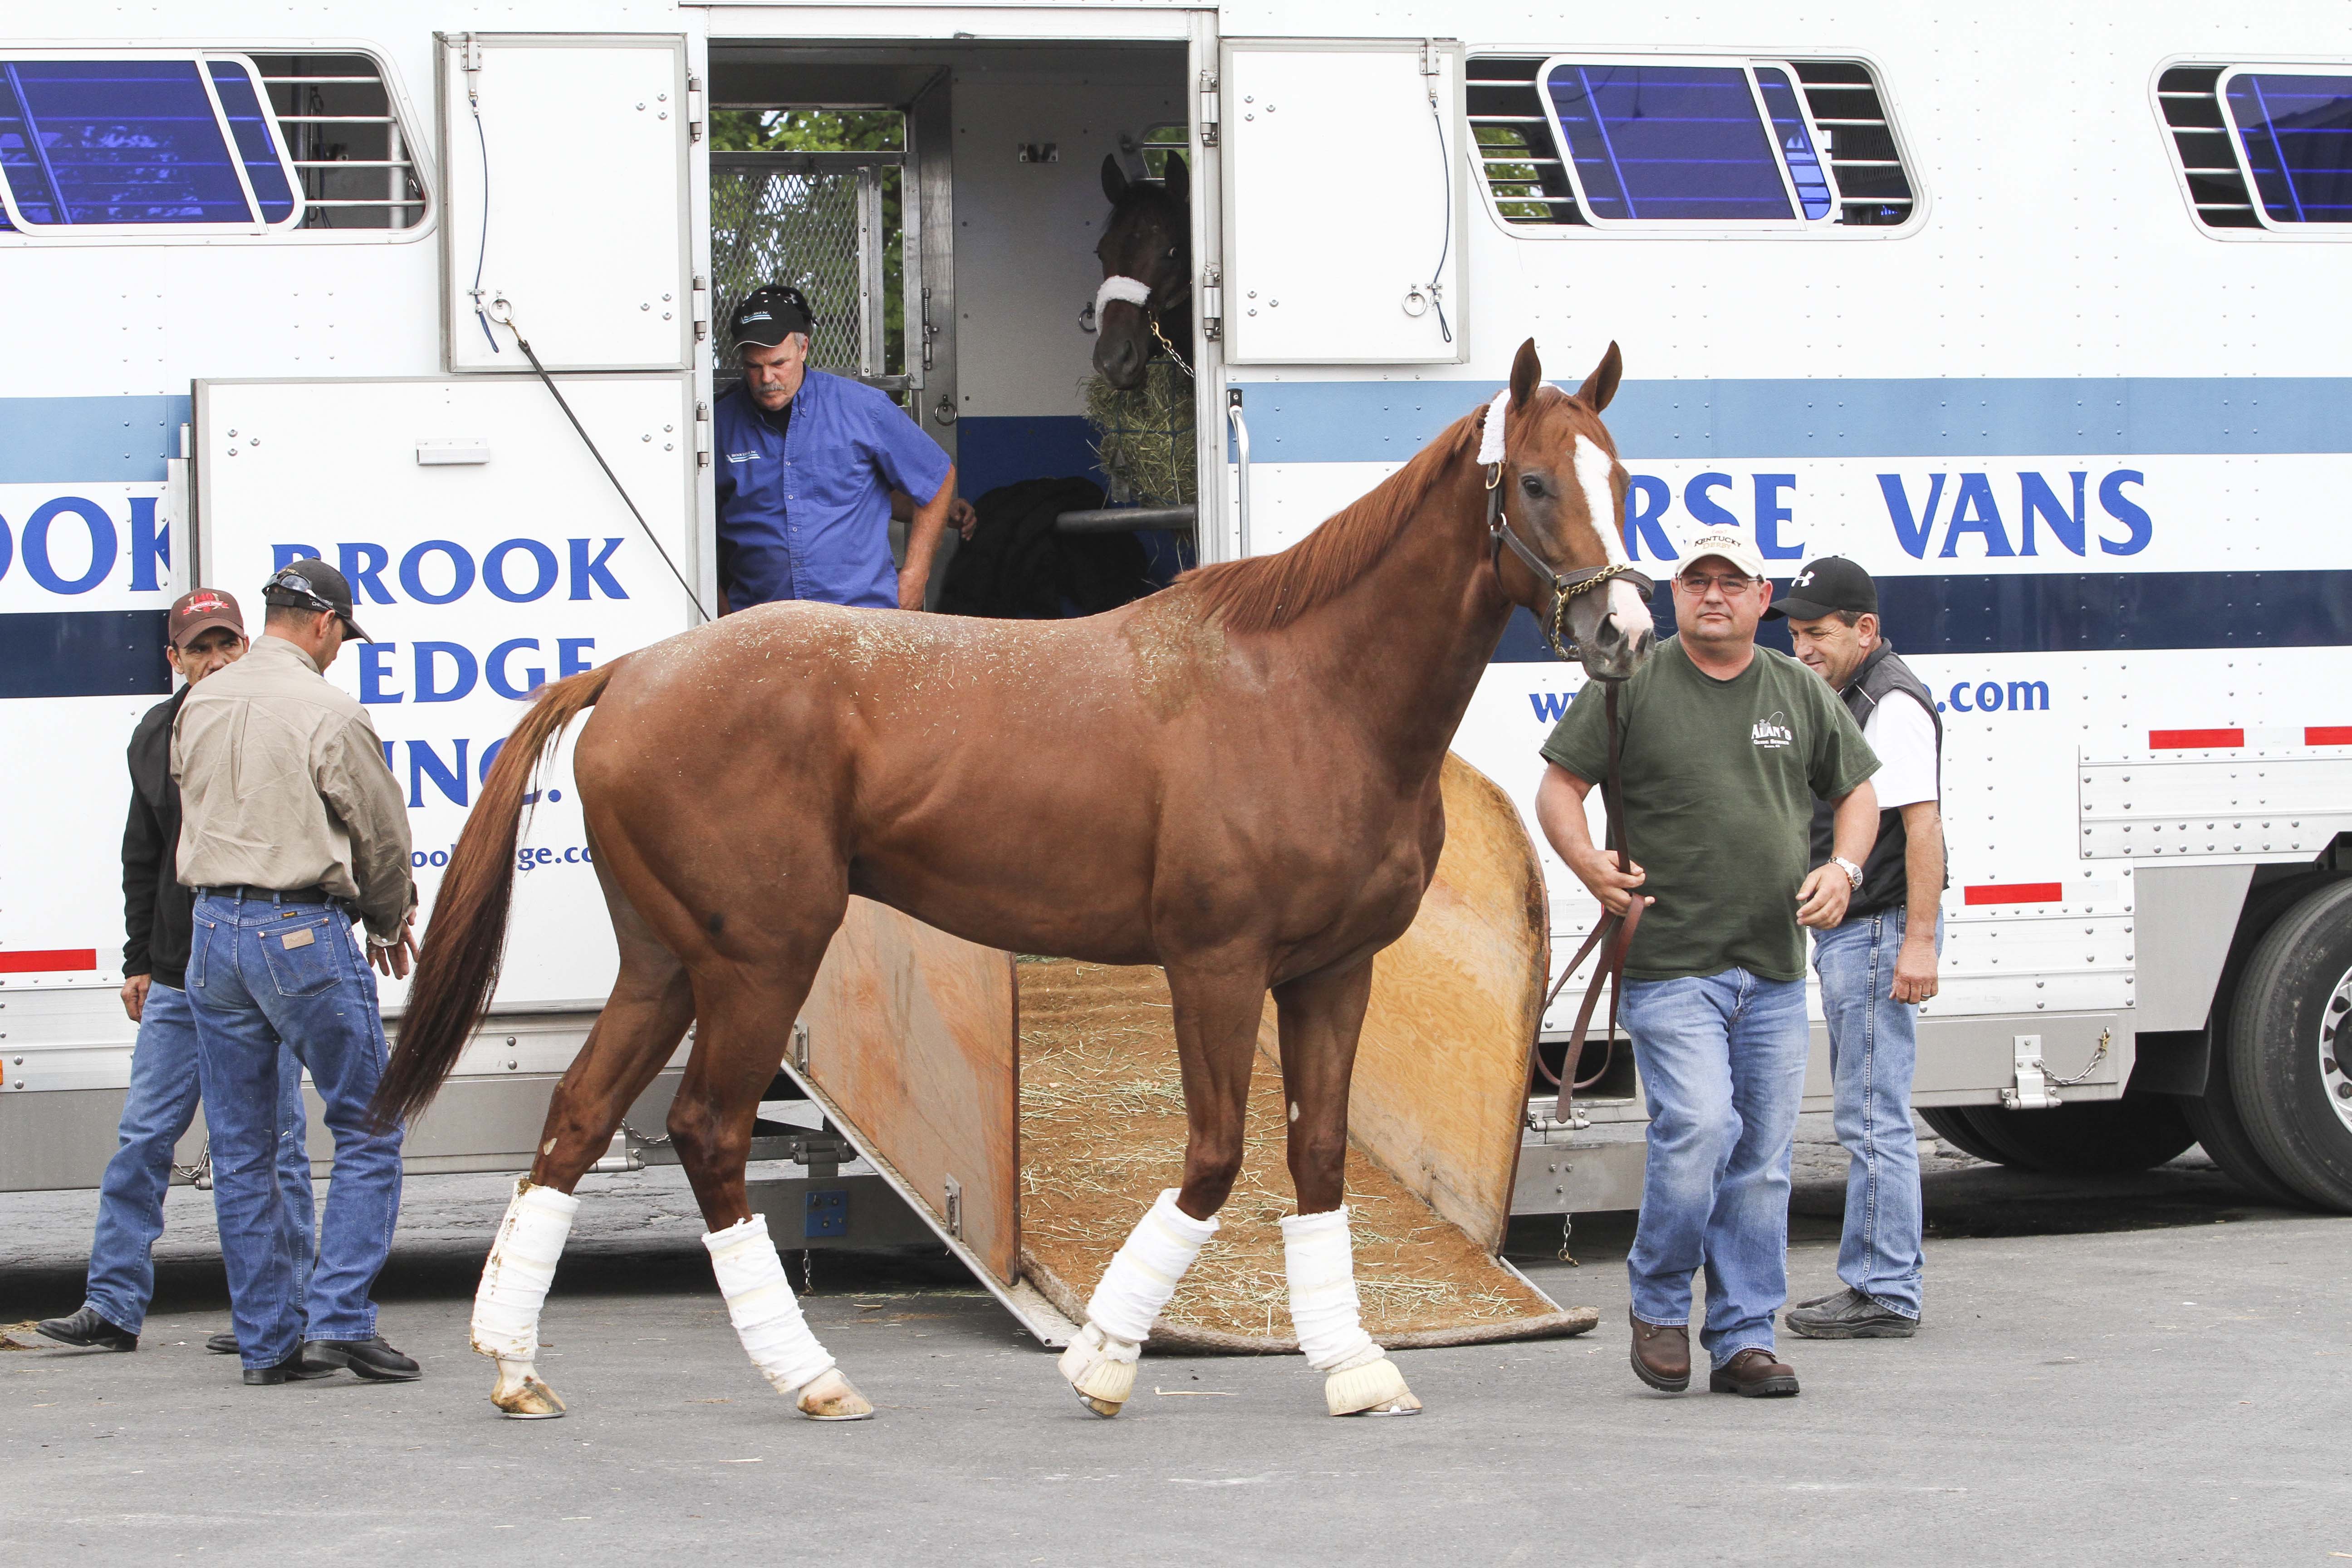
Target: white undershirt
x: 1904, y: 738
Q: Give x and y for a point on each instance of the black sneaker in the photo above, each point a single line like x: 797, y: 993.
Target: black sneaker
x: 295, y: 1368
x: 87, y: 1331
x: 370, y: 1358
x: 1849, y: 1315
x: 222, y: 1344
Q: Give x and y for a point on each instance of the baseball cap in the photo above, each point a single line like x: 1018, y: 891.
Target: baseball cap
x: 194, y: 614
x: 768, y: 314
x: 1735, y: 548
x: 311, y: 584
x: 1832, y: 582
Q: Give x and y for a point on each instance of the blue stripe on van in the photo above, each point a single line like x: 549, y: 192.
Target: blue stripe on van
x: 1387, y: 421
x: 83, y: 652
x: 2076, y: 612
x: 60, y: 440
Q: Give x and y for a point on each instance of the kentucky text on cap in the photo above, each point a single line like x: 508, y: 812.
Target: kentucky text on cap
x: 1735, y: 548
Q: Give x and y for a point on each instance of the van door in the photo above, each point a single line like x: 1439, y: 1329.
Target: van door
x: 1366, y: 269
x: 565, y: 194
x: 488, y: 553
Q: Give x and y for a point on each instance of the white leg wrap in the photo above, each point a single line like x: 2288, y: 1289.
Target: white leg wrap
x: 1321, y: 1263
x: 1145, y: 1272
x: 766, y: 1315
x: 521, y: 1267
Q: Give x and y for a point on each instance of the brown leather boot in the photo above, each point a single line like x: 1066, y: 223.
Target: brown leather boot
x: 1754, y: 1374
x: 1661, y: 1354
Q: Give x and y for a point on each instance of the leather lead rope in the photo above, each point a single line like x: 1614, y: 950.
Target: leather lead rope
x: 1614, y: 936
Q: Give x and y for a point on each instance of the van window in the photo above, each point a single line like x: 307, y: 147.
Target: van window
x: 113, y: 143
x: 1701, y: 145
x: 2296, y: 133
x: 2262, y: 149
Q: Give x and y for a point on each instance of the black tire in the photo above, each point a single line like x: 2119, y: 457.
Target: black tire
x: 2092, y: 1138
x: 1952, y: 1126
x: 2221, y: 1133
x: 2293, y: 1092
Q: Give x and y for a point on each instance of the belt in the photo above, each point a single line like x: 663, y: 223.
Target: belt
x: 313, y: 894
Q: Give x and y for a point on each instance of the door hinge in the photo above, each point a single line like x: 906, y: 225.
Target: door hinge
x: 2033, y: 1090
x: 702, y: 306
x: 800, y: 1045
x: 703, y: 460
x: 1209, y: 109
x: 954, y: 1216
x: 930, y: 332
x: 694, y: 116
x: 1212, y: 303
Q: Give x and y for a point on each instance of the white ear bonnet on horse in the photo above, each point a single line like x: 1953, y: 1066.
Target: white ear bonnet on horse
x: 1490, y: 440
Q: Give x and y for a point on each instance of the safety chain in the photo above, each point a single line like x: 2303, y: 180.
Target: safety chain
x: 1567, y: 1229
x: 648, y: 1143
x: 200, y: 1174
x: 1151, y: 320
x: 2089, y: 1067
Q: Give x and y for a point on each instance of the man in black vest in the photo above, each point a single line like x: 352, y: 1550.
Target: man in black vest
x: 1877, y: 967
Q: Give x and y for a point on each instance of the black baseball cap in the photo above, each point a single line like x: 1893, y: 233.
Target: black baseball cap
x: 1826, y: 585
x: 768, y: 314
x: 311, y: 584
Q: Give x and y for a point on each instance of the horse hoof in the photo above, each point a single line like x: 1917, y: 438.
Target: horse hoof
x: 1103, y: 1383
x: 829, y: 1396
x: 1376, y: 1388
x: 530, y: 1400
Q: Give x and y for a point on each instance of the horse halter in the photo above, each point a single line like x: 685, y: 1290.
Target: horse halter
x: 1563, y: 586
x: 1118, y: 288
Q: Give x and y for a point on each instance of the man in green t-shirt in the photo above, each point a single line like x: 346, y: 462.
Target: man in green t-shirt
x: 1723, y: 747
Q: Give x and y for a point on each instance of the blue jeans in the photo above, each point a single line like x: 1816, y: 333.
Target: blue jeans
x: 264, y: 972
x: 1722, y: 1058
x: 1874, y: 1047
x: 155, y: 1115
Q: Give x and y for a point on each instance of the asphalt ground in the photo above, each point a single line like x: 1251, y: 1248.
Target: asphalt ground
x: 2140, y: 1370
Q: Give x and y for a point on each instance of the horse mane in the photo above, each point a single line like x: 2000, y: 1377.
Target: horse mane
x: 1267, y: 593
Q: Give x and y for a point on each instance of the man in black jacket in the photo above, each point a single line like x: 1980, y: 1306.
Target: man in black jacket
x: 205, y: 633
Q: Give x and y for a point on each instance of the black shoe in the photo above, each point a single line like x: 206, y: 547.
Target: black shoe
x: 222, y: 1344
x: 1849, y: 1315
x: 87, y: 1330
x: 295, y: 1368
x: 372, y: 1358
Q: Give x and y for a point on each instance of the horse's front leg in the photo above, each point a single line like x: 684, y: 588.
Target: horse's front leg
x: 1217, y: 1002
x: 1321, y: 1016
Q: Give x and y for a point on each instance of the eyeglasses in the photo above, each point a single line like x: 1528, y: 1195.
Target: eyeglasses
x: 1698, y: 584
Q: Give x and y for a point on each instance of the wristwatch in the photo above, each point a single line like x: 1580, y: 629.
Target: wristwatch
x: 1852, y: 872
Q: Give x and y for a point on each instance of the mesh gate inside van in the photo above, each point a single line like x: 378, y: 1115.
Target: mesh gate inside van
x: 812, y: 221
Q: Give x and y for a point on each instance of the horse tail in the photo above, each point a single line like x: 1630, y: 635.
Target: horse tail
x: 466, y: 942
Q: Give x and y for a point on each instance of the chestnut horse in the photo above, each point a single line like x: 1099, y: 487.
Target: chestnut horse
x: 1145, y: 304
x: 1235, y: 778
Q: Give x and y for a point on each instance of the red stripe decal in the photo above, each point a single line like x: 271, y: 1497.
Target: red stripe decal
x: 48, y: 961
x: 2017, y: 893
x: 2328, y: 735
x: 2187, y: 740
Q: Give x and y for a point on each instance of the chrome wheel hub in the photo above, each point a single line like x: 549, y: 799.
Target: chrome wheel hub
x: 2335, y: 1040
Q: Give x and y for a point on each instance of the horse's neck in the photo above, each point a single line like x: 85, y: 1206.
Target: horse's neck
x: 1406, y: 643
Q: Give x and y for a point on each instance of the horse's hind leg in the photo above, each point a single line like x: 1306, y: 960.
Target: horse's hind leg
x: 1321, y: 1016
x: 1217, y: 1007
x: 642, y: 1021
x: 738, y: 1047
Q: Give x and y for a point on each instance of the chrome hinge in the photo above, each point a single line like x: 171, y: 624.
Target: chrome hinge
x: 2033, y: 1091
x: 702, y: 441
x: 800, y: 1046
x: 955, y: 1208
x: 694, y: 116
x: 1207, y: 109
x: 702, y: 298
x: 1212, y: 303
x: 930, y: 332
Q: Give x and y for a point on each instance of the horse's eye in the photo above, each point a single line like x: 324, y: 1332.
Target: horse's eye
x: 1532, y: 485
x: 1172, y: 253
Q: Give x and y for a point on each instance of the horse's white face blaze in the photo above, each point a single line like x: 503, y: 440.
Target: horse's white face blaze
x: 1628, y: 611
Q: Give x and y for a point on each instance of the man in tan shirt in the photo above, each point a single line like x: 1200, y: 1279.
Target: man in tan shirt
x: 292, y: 828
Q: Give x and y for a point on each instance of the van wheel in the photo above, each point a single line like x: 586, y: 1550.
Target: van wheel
x: 1951, y: 1125
x: 2092, y: 1138
x: 2292, y: 1086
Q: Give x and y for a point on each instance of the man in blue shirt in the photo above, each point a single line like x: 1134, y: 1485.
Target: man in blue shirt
x: 808, y: 463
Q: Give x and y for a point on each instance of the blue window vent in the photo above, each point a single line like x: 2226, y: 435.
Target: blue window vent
x: 112, y: 143
x: 1735, y: 144
x: 2295, y: 132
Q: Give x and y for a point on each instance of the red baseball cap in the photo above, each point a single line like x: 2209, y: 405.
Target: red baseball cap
x: 196, y: 613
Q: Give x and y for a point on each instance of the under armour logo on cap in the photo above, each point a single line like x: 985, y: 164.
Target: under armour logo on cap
x: 1804, y: 577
